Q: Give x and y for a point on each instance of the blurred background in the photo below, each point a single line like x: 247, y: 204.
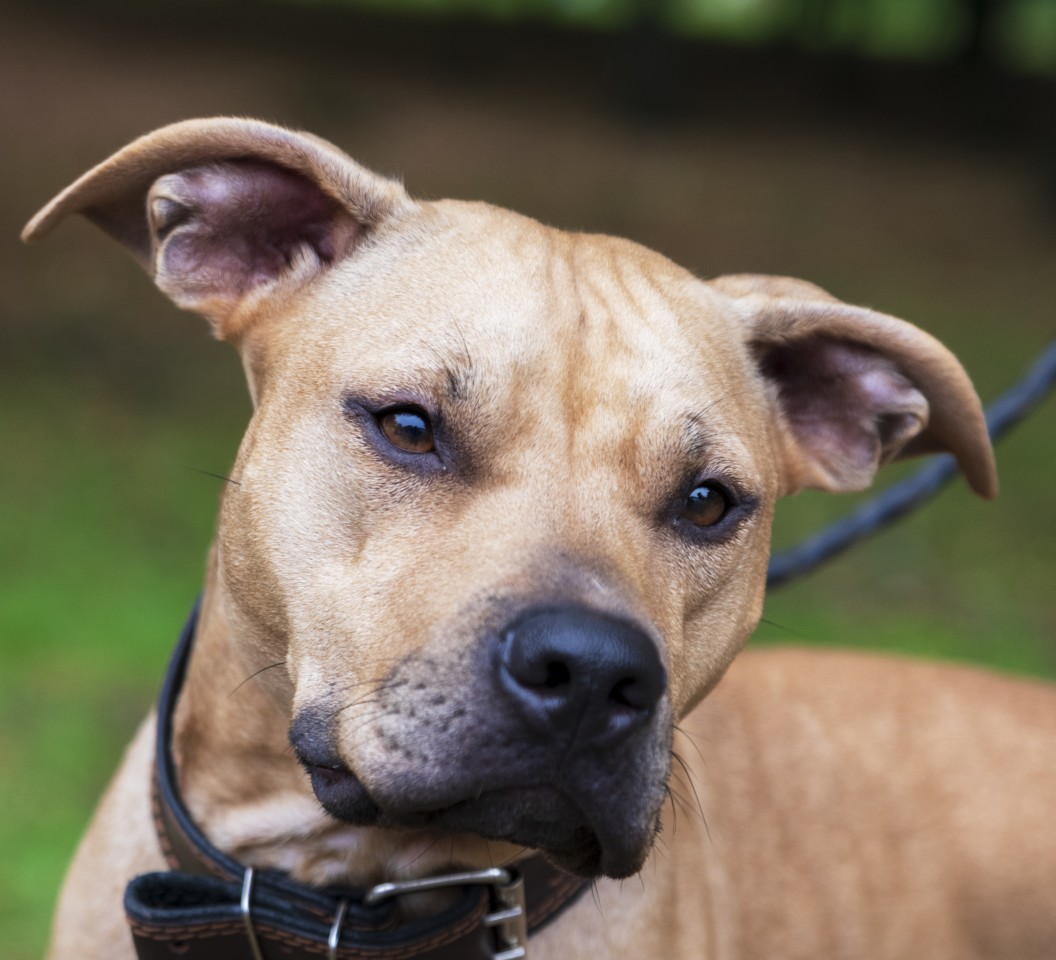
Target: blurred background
x: 900, y: 153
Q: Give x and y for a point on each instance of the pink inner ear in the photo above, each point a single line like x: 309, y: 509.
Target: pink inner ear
x: 222, y: 229
x: 849, y: 406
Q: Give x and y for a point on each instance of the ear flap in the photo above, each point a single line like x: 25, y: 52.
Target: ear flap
x: 218, y: 209
x: 855, y: 388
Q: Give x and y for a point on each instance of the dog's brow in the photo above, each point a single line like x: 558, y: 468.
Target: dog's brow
x: 697, y: 439
x: 458, y: 380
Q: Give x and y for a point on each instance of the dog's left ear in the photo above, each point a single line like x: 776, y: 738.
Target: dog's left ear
x: 854, y: 389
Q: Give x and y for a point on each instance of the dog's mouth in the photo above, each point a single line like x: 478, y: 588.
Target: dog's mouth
x: 540, y: 817
x: 342, y: 795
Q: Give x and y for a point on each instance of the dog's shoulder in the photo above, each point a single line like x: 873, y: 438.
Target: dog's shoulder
x: 898, y: 705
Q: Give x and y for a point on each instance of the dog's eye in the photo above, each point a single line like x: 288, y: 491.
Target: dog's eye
x: 706, y: 505
x: 408, y: 429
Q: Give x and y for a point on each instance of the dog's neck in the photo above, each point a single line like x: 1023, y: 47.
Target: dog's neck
x: 236, y: 771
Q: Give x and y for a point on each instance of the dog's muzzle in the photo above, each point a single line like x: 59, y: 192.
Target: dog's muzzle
x: 560, y: 742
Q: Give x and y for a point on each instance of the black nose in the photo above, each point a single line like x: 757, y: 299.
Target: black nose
x: 574, y: 672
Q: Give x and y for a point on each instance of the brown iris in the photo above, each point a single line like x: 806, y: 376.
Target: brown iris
x: 408, y: 429
x: 706, y: 505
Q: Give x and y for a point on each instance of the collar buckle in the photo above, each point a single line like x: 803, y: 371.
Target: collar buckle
x: 507, y: 915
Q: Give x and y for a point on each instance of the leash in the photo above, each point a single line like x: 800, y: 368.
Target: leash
x: 211, y: 907
x: 914, y: 491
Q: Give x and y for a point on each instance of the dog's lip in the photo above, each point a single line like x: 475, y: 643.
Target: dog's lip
x: 538, y: 816
x: 341, y: 794
x: 334, y: 771
x: 535, y: 815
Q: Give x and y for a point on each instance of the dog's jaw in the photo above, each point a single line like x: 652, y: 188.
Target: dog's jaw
x: 536, y: 817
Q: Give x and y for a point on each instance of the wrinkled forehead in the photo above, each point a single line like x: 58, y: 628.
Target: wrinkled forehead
x: 491, y: 307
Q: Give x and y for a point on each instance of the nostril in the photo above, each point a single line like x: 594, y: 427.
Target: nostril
x: 557, y: 675
x: 623, y: 693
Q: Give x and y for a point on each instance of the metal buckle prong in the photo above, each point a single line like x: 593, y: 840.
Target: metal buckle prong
x: 507, y: 917
x: 501, y: 916
x: 516, y: 953
x: 247, y: 913
x: 335, y: 931
x: 491, y: 877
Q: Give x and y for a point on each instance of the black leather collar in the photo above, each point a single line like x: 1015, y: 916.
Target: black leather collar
x: 211, y: 906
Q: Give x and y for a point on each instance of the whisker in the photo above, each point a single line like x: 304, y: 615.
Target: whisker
x: 384, y: 681
x: 723, y: 399
x: 370, y: 696
x: 361, y: 702
x: 365, y: 699
x: 693, y: 787
x: 215, y: 476
x: 365, y: 721
x: 596, y: 896
x: 509, y: 859
x: 692, y: 742
x: 257, y: 673
x: 411, y: 863
x: 690, y: 780
x: 670, y: 794
x: 683, y: 804
x: 781, y: 626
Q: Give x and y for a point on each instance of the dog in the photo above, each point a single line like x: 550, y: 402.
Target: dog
x: 498, y: 526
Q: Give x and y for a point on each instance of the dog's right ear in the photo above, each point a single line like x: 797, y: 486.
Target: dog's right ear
x: 221, y: 210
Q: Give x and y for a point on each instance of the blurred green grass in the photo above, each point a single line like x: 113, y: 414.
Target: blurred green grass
x: 110, y: 399
x: 101, y: 551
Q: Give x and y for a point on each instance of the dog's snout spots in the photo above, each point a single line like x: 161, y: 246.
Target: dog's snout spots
x: 579, y: 675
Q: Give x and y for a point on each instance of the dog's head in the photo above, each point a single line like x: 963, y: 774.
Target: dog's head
x: 504, y: 505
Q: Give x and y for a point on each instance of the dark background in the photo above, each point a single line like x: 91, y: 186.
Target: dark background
x: 899, y: 154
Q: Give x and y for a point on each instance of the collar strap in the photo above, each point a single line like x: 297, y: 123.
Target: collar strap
x: 211, y: 906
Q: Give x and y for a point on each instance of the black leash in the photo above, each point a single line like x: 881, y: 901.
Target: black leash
x: 907, y: 495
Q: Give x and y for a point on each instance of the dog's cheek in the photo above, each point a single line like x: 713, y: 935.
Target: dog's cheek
x: 287, y: 537
x: 250, y: 599
x: 720, y: 603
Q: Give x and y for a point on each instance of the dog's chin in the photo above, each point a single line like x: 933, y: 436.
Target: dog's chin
x: 538, y: 817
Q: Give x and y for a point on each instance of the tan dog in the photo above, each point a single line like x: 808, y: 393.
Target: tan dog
x: 501, y: 519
